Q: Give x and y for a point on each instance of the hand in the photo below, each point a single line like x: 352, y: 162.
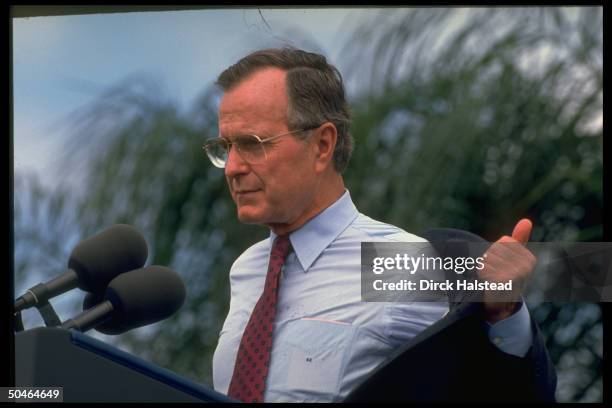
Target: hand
x: 507, y: 259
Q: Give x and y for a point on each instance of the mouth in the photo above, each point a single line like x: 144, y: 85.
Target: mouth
x: 244, y: 192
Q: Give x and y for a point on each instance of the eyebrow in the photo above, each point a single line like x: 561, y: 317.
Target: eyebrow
x: 241, y: 133
x: 262, y: 135
x: 236, y: 136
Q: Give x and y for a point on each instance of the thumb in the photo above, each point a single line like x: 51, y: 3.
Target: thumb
x: 522, y: 230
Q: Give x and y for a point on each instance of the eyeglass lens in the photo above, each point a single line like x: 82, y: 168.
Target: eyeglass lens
x: 249, y: 148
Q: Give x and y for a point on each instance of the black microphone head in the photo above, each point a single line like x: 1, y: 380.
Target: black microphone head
x: 140, y: 297
x: 98, y: 259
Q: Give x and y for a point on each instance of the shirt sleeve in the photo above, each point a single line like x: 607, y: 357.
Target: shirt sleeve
x: 513, y: 335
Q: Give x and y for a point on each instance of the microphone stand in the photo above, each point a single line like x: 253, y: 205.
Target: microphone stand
x: 18, y: 322
x: 46, y: 312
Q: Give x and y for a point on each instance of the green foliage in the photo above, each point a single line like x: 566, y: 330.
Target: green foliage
x: 472, y: 127
x: 484, y: 129
x: 477, y: 134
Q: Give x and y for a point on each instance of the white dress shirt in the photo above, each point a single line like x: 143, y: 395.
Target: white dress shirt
x: 326, y: 339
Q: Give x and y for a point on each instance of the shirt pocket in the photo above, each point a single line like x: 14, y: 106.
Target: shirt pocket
x: 317, y: 353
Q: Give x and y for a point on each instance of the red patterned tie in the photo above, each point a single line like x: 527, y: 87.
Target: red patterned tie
x: 253, y: 359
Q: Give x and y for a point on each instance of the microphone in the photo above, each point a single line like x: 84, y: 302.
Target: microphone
x: 133, y: 299
x: 93, y: 263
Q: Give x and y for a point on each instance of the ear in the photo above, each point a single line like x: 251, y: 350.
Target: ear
x: 324, y: 142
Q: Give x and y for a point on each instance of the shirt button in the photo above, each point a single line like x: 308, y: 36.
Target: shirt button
x: 497, y: 340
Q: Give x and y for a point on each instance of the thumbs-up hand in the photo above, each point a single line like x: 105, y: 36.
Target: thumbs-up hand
x: 507, y: 259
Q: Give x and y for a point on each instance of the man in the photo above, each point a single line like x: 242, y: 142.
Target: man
x: 297, y: 329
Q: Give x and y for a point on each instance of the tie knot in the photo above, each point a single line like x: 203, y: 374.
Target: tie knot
x: 281, y: 246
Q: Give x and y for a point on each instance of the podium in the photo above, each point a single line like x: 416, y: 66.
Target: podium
x: 90, y: 370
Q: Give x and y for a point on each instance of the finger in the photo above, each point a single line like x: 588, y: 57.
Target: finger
x: 509, y: 250
x: 512, y: 252
x: 507, y: 245
x: 522, y: 231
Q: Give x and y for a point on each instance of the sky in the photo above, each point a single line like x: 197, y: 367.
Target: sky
x: 62, y: 62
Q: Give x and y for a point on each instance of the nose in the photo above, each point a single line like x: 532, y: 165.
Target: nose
x: 235, y: 164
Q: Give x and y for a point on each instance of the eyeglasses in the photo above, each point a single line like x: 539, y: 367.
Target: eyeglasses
x: 249, y: 146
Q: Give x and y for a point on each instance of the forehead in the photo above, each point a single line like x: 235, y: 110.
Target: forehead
x: 259, y: 101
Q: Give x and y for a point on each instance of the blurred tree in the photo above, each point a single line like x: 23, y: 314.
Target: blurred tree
x: 475, y: 118
x: 500, y: 120
x: 482, y: 129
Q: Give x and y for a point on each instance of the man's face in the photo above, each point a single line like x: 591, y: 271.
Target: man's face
x: 281, y: 189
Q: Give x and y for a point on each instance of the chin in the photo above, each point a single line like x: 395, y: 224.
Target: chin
x: 249, y: 217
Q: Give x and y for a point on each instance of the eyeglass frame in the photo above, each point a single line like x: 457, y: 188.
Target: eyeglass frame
x: 259, y: 139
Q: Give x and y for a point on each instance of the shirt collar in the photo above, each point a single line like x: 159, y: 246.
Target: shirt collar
x: 313, y: 237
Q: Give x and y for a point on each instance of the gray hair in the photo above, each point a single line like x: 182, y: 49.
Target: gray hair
x: 315, y: 92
